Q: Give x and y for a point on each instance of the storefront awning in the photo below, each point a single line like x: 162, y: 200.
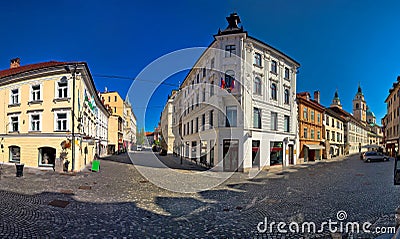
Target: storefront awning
x: 314, y: 146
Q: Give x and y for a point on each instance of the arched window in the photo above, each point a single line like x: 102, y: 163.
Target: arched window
x: 257, y: 86
x: 357, y: 106
x: 273, y: 91
x: 229, y: 79
x: 286, y: 96
x: 47, y: 156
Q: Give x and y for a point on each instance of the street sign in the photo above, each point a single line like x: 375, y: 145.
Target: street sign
x: 96, y: 165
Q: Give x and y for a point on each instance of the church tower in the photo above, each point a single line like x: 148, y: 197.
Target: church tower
x: 360, y: 106
x: 336, y: 100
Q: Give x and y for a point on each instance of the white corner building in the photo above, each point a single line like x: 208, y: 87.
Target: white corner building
x: 236, y: 109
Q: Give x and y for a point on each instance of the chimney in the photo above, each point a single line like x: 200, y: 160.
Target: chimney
x: 14, y: 63
x: 316, y: 96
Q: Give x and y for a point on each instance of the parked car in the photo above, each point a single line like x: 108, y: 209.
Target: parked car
x: 374, y: 156
x: 139, y: 148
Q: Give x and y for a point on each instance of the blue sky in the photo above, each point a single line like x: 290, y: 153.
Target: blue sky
x: 338, y: 43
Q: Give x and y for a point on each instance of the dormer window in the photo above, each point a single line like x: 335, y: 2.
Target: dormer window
x: 230, y: 50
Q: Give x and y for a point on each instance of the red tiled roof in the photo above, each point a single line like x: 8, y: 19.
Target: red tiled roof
x: 30, y: 67
x: 303, y: 96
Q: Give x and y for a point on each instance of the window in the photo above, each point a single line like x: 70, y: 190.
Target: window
x: 197, y: 124
x: 257, y: 118
x: 115, y: 98
x: 203, y: 122
x: 230, y: 50
x: 357, y: 106
x: 337, y: 124
x: 62, y: 90
x: 184, y: 129
x: 204, y: 95
x: 212, y: 63
x: 14, y: 123
x: 212, y: 89
x: 198, y: 78
x: 305, y: 133
x: 115, y: 109
x: 274, y: 121
x: 273, y: 91
x: 204, y: 72
x: 312, y: 115
x: 211, y: 119
x: 231, y: 116
x: 286, y: 96
x: 61, y: 121
x: 35, y: 93
x: 109, y: 99
x: 47, y: 156
x: 312, y: 134
x: 333, y: 136
x: 318, y: 135
x: 337, y: 137
x: 286, y: 123
x: 327, y: 121
x: 333, y: 122
x: 15, y: 153
x: 257, y: 59
x: 257, y: 86
x: 14, y: 97
x: 305, y: 113
x: 287, y: 75
x: 35, y: 122
x: 318, y: 117
x: 274, y: 67
x: 229, y: 79
x: 191, y: 127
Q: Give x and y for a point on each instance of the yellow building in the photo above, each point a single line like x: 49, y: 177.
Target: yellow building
x: 50, y: 113
x: 116, y: 122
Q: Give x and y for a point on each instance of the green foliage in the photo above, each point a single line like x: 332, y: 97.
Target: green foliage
x: 140, y: 136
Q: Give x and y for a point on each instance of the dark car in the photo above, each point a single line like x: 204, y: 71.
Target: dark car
x: 374, y: 156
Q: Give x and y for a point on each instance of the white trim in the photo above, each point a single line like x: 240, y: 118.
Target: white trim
x: 40, y: 120
x: 68, y: 119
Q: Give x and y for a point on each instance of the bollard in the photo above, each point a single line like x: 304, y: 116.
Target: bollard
x: 20, y: 170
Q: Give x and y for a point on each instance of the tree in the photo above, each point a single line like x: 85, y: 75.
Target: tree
x: 140, y: 136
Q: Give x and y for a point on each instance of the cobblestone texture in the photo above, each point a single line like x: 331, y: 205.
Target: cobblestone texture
x: 122, y: 204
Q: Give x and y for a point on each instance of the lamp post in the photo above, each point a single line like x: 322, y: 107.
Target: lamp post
x: 73, y: 113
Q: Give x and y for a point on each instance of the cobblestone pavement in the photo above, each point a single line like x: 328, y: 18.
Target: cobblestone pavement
x: 118, y: 202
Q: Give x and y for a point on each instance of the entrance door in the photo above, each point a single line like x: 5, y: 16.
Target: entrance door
x: 231, y: 155
x: 291, y: 154
x: 311, y: 154
x: 255, y: 153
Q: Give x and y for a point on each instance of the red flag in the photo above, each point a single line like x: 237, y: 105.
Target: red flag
x: 222, y: 83
x: 232, y: 84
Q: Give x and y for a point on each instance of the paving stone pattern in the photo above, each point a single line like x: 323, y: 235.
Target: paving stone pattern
x: 117, y: 202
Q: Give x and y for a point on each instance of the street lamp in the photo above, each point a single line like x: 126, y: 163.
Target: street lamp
x: 67, y: 68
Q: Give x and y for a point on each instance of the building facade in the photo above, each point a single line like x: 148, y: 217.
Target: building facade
x: 115, y: 103
x: 334, y: 134
x: 167, y: 122
x: 129, y: 134
x: 392, y: 119
x: 310, y: 118
x: 50, y: 113
x: 236, y: 109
